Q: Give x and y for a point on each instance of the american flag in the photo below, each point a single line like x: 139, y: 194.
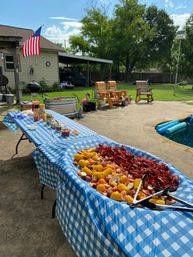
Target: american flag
x: 32, y: 45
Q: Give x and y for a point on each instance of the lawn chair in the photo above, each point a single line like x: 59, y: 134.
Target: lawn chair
x: 100, y: 87
x: 101, y: 92
x: 106, y: 96
x: 143, y: 91
x: 112, y: 87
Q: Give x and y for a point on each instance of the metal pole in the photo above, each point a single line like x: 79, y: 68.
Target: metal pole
x: 178, y: 61
x: 177, y: 67
x: 110, y: 72
x: 16, y: 75
x: 88, y: 74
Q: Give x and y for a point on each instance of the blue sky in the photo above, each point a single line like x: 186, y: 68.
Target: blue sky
x: 61, y: 18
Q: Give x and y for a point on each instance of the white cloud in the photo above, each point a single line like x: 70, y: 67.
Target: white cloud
x: 169, y: 3
x: 61, y: 33
x: 69, y: 25
x: 181, y: 6
x: 173, y: 4
x: 180, y: 19
x: 62, y: 18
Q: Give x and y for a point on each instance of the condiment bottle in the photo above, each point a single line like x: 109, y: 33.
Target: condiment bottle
x: 35, y: 103
x: 42, y: 112
x: 36, y: 113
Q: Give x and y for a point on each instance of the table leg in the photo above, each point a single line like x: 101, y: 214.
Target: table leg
x: 42, y: 191
x: 54, y: 210
x: 21, y: 138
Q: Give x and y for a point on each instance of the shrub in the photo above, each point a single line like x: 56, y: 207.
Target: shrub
x: 55, y: 86
x: 11, y: 90
x: 23, y: 86
x: 44, y: 86
x: 183, y: 83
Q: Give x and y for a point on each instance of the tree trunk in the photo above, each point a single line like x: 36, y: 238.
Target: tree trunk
x: 128, y: 68
x: 116, y: 70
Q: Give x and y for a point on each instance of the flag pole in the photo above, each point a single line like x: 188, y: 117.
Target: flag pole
x: 179, y: 36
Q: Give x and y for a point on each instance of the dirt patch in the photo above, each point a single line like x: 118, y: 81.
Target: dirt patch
x: 27, y: 228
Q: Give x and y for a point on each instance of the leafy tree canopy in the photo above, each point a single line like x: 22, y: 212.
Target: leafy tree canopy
x: 186, y: 53
x: 135, y: 37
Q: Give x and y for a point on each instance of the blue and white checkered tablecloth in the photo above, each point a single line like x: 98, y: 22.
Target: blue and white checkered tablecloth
x: 48, y: 174
x: 9, y: 122
x: 95, y: 224
x: 43, y: 133
x: 75, y: 216
x: 47, y: 158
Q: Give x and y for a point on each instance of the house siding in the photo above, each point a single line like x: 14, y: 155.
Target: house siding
x: 40, y: 70
x: 8, y: 74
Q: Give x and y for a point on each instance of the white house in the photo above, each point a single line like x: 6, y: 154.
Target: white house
x: 42, y: 67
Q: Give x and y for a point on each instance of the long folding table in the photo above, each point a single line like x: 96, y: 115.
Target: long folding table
x: 39, y: 132
x: 96, y: 225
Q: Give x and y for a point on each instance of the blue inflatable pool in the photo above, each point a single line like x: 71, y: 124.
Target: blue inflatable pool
x: 180, y: 131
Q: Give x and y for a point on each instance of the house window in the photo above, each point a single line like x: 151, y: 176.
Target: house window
x: 9, y: 62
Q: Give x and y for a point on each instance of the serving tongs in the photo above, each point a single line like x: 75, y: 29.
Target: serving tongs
x: 135, y: 201
x: 176, y: 198
x: 161, y: 206
x: 164, y: 191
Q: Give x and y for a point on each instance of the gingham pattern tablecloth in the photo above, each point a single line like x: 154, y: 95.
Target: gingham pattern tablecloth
x: 95, y: 224
x: 48, y: 174
x: 43, y: 133
x: 9, y: 122
x: 47, y: 159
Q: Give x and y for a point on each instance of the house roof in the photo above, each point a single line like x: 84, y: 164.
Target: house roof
x: 10, y: 31
x: 71, y: 58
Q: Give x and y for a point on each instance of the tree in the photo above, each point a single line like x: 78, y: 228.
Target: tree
x: 186, y: 57
x: 96, y: 30
x: 94, y: 35
x: 102, y: 5
x: 158, y: 48
x: 135, y: 37
x: 78, y: 45
x: 129, y: 32
x: 145, y: 37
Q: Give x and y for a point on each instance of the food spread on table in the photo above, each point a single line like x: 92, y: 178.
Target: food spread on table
x: 39, y: 113
x: 117, y: 173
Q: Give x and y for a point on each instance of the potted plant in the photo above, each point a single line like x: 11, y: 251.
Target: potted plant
x: 88, y: 104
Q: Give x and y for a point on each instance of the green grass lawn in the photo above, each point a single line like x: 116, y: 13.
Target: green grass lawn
x: 165, y: 92
x: 78, y: 91
x: 161, y: 92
